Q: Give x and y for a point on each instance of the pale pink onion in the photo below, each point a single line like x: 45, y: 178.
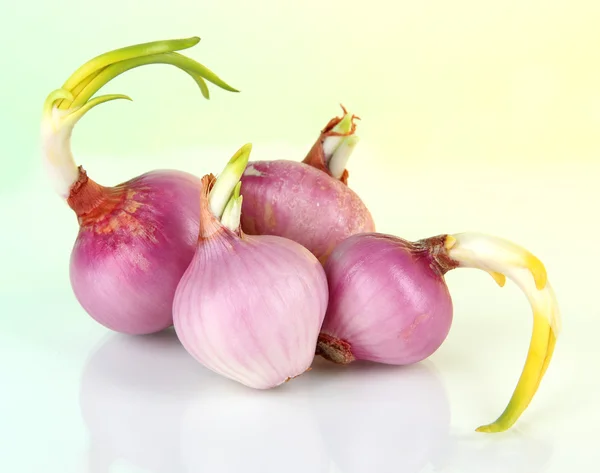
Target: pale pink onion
x: 248, y: 307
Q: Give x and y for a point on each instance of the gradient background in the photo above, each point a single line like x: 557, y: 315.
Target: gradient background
x: 475, y: 116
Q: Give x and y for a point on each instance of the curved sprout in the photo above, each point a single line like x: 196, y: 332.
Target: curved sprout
x: 191, y: 67
x: 65, y: 106
x: 128, y: 52
x: 503, y: 259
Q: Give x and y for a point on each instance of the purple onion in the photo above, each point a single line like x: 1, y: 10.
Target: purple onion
x: 389, y: 302
x: 133, y: 246
x: 135, y: 239
x: 308, y: 202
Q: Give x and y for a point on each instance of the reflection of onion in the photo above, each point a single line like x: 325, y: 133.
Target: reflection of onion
x: 133, y: 393
x: 242, y: 430
x: 381, y: 419
x: 146, y: 402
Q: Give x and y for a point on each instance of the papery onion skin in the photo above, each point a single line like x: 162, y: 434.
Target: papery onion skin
x: 401, y: 309
x: 250, y: 307
x: 135, y: 241
x: 300, y: 202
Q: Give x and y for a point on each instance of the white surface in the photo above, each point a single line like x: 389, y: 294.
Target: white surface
x: 76, y: 398
x: 142, y: 405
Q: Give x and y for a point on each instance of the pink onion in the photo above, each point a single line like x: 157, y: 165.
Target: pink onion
x: 308, y: 202
x: 248, y: 307
x: 389, y: 302
x: 137, y: 238
x: 133, y: 247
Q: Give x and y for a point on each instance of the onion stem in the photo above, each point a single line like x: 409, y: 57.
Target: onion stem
x: 339, y: 131
x: 233, y: 210
x: 502, y: 258
x: 226, y: 183
x: 339, y: 159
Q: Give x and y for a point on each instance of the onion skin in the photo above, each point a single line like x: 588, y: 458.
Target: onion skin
x: 302, y: 201
x: 250, y: 307
x: 401, y: 309
x: 389, y: 302
x: 135, y: 242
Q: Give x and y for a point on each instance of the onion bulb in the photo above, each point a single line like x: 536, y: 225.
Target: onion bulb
x: 248, y: 307
x: 389, y: 302
x: 136, y: 238
x: 309, y: 201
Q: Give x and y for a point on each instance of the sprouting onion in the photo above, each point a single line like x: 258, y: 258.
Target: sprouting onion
x: 389, y: 302
x: 248, y: 307
x: 308, y: 202
x: 135, y: 238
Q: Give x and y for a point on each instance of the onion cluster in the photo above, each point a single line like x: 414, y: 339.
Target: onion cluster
x: 269, y: 263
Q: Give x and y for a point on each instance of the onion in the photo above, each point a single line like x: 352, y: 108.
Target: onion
x: 308, y: 202
x: 389, y: 302
x: 136, y: 238
x: 248, y: 307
